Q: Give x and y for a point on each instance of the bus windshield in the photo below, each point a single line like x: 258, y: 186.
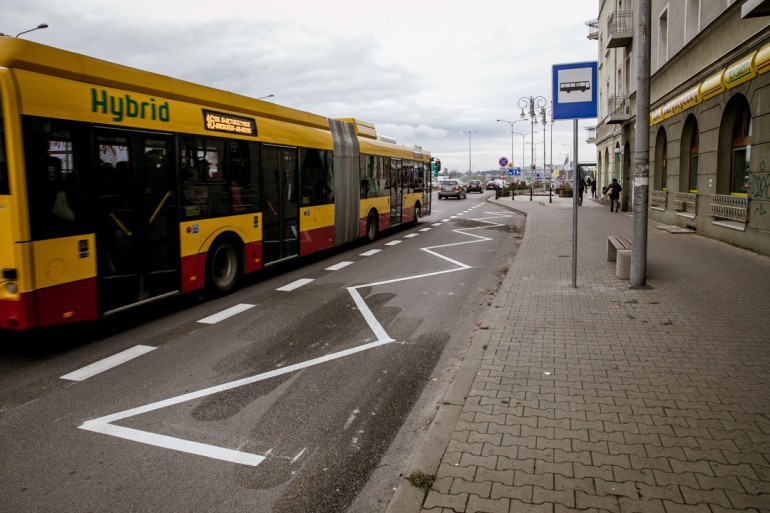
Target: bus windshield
x: 4, y: 189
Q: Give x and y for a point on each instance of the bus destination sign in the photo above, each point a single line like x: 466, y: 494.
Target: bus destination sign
x: 220, y: 122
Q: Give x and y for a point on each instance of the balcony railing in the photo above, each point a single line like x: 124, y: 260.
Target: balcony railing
x: 593, y: 29
x: 620, y: 29
x: 658, y: 199
x: 723, y: 206
x: 618, y: 108
x: 686, y: 202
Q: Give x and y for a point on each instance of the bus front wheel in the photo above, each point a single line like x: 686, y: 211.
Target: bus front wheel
x: 223, y: 267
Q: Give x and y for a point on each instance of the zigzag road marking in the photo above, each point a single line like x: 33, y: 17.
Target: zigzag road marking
x: 106, y: 425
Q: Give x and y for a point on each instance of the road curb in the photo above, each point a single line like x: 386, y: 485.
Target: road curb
x: 408, y: 498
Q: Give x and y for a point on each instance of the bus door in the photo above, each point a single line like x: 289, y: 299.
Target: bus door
x: 280, y: 209
x: 396, y: 192
x: 137, y: 235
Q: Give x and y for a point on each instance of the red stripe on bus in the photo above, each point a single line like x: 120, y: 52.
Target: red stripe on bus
x: 316, y: 240
x: 253, y: 257
x: 193, y: 272
x: 16, y: 314
x: 63, y: 304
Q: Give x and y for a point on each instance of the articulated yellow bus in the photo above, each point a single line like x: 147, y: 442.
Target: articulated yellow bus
x: 119, y: 187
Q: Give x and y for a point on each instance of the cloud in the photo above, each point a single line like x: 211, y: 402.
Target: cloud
x: 423, y: 72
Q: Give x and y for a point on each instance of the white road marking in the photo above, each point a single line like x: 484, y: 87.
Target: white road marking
x: 105, y: 424
x: 337, y: 267
x: 352, y: 417
x: 371, y: 252
x: 224, y: 314
x: 393, y: 243
x: 436, y: 224
x: 108, y: 363
x: 424, y: 229
x: 409, y: 236
x: 295, y: 285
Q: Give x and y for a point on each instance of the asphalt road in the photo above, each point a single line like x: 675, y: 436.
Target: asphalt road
x: 306, y: 390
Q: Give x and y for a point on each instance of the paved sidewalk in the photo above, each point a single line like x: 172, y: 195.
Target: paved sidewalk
x: 605, y: 398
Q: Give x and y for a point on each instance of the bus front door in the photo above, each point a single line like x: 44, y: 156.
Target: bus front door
x: 137, y: 237
x: 280, y: 210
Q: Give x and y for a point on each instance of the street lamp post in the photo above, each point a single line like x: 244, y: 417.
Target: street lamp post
x: 265, y: 97
x: 523, y: 136
x: 512, y: 133
x: 39, y: 27
x: 534, y: 106
x: 470, y: 165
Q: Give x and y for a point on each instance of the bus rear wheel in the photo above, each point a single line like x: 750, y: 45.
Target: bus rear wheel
x: 371, y: 227
x: 224, y: 269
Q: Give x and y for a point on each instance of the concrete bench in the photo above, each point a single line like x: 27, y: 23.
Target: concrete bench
x: 619, y: 251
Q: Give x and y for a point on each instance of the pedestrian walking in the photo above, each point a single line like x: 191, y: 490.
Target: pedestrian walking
x: 613, y: 190
x: 593, y: 188
x: 581, y: 190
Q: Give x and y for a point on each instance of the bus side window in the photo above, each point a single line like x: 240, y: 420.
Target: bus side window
x: 53, y: 186
x: 194, y: 192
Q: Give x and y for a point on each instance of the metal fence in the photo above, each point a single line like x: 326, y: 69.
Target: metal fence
x: 686, y: 202
x: 620, y: 22
x: 658, y: 199
x: 724, y: 206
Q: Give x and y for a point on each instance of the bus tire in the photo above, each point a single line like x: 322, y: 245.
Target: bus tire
x: 417, y: 213
x: 372, y: 226
x: 223, y: 266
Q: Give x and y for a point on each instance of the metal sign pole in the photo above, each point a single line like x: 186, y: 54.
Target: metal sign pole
x: 576, y: 181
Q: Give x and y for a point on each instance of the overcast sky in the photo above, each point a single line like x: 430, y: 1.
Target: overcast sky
x: 423, y: 71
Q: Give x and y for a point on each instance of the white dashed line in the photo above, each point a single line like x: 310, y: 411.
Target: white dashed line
x: 224, y: 314
x: 107, y: 363
x: 371, y: 252
x: 411, y: 235
x: 337, y: 267
x: 436, y: 224
x: 424, y: 229
x: 295, y: 285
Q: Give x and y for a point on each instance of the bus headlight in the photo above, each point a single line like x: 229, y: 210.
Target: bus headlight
x: 12, y: 288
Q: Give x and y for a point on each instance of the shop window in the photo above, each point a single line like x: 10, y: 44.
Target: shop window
x: 740, y: 145
x: 693, y: 160
x: 661, y: 161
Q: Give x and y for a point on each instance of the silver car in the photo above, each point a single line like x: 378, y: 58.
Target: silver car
x: 451, y: 189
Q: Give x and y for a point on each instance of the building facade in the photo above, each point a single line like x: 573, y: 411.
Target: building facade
x: 709, y: 114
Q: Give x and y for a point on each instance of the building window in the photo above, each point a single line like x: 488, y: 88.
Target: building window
x: 692, y: 19
x: 693, y: 185
x: 661, y: 161
x: 663, y: 38
x: 741, y: 151
x: 688, y: 172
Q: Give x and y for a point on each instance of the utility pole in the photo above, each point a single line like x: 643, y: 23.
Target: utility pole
x: 638, y: 276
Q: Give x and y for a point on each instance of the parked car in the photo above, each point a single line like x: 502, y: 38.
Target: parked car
x: 474, y: 186
x: 451, y: 189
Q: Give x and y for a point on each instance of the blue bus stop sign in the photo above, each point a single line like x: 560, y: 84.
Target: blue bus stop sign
x: 574, y: 90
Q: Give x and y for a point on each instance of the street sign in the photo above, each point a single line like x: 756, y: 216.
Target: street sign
x: 574, y: 89
x: 516, y: 171
x: 503, y: 161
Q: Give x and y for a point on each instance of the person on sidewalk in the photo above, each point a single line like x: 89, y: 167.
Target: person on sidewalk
x: 593, y: 188
x: 581, y: 190
x: 613, y: 190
